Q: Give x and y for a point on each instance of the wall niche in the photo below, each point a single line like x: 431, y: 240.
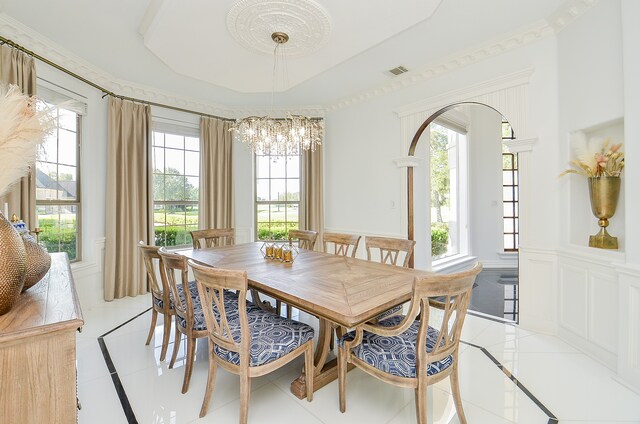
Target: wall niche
x: 582, y: 222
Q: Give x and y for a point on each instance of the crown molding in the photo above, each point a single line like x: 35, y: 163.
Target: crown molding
x: 36, y: 42
x: 29, y: 38
x: 568, y: 12
x: 510, y: 41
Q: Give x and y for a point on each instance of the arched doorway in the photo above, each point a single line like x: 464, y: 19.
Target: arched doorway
x: 473, y: 199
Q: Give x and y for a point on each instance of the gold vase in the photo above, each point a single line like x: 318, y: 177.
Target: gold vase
x: 13, y: 260
x: 603, y: 193
x: 38, y: 262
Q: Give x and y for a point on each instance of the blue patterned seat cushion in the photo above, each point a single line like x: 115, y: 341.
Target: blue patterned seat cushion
x: 397, y: 355
x: 192, y: 288
x: 389, y: 312
x: 230, y: 305
x: 272, y: 337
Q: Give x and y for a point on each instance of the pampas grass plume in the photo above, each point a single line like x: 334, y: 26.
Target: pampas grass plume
x: 22, y: 130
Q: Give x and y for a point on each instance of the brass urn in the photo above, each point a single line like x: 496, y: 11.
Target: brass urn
x: 604, y: 193
x: 13, y: 260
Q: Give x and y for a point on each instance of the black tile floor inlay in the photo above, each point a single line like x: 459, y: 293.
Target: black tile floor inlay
x: 552, y: 418
x: 122, y: 395
x: 131, y: 418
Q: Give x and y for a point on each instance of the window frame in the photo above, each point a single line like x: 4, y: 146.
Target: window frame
x: 257, y: 202
x: 184, y: 132
x: 78, y: 200
x: 515, y: 203
x: 461, y: 194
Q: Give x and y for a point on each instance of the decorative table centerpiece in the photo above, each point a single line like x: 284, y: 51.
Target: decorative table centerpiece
x: 602, y: 166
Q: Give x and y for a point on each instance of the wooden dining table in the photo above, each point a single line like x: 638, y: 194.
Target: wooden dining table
x: 338, y: 290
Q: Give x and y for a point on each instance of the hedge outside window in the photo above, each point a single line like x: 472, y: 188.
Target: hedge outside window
x: 57, y: 176
x: 277, y: 195
x: 176, y: 187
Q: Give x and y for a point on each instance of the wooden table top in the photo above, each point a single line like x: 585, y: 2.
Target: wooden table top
x: 49, y: 305
x: 343, y: 290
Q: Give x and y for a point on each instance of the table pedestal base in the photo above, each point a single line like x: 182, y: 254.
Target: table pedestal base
x: 327, y: 375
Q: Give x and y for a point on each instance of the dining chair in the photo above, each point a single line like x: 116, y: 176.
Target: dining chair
x: 408, y: 352
x: 247, y: 342
x: 388, y: 251
x: 160, y: 295
x: 341, y: 244
x: 306, y: 238
x: 188, y: 310
x: 213, y: 237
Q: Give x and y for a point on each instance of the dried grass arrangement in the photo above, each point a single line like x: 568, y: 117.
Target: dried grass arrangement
x: 596, y: 158
x: 24, y: 122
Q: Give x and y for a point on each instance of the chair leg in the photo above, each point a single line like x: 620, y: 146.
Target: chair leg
x: 289, y: 311
x: 245, y: 392
x: 455, y: 390
x: 342, y: 377
x: 278, y: 307
x: 165, y: 336
x: 191, y: 350
x: 154, y: 318
x: 421, y: 402
x: 308, y: 371
x: 210, y: 383
x: 176, y: 346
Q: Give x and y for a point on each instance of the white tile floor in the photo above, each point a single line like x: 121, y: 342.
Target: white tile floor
x: 574, y: 388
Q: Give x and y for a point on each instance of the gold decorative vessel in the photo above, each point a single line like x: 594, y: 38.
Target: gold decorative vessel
x: 13, y: 262
x: 604, y: 193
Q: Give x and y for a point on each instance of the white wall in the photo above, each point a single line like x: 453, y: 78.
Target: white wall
x: 362, y: 142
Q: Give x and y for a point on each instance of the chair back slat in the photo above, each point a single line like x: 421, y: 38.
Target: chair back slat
x: 153, y: 262
x: 213, y: 237
x: 306, y: 238
x: 453, y: 293
x: 212, y: 284
x: 389, y: 249
x: 175, y: 265
x: 342, y: 244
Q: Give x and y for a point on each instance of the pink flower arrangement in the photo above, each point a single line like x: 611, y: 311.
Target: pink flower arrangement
x: 605, y: 161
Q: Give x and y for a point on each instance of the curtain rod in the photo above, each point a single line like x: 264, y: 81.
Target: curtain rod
x: 104, y: 90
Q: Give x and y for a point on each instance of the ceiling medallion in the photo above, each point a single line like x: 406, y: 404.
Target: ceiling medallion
x: 251, y: 23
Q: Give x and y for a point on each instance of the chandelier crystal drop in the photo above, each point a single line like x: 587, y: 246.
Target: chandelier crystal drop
x: 287, y: 136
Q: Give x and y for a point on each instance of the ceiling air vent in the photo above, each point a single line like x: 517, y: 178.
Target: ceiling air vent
x: 398, y: 70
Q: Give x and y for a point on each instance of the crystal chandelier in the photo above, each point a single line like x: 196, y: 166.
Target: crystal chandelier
x: 286, y: 136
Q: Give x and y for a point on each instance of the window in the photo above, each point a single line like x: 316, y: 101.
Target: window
x: 509, y: 191
x: 277, y: 195
x: 176, y: 187
x: 448, y: 192
x: 58, y: 185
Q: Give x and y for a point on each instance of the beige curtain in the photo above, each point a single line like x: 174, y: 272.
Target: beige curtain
x: 19, y: 68
x: 216, y: 174
x: 129, y: 198
x: 312, y: 201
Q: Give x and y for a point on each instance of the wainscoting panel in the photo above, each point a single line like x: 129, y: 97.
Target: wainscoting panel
x: 629, y: 329
x: 573, y: 289
x: 538, y: 289
x: 589, y: 302
x: 603, y: 305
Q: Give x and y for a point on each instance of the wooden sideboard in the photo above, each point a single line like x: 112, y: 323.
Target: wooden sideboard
x: 38, y: 351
